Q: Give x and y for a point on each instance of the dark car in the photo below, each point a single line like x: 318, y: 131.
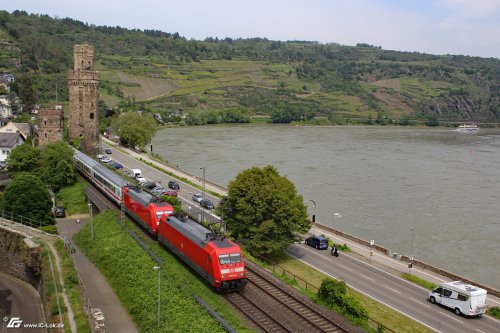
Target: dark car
x: 108, y: 151
x: 149, y: 184
x: 318, y: 242
x: 205, y: 203
x: 116, y: 165
x: 59, y: 211
x: 173, y: 185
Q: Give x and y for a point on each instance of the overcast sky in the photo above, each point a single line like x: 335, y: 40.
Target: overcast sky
x: 468, y: 27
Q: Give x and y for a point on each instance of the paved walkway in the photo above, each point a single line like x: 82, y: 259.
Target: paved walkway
x: 99, y: 292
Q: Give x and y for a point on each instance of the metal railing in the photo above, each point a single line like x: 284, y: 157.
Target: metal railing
x: 25, y: 220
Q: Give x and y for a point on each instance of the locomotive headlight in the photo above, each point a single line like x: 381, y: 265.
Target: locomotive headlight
x: 224, y: 271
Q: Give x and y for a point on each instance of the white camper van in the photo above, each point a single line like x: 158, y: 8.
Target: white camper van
x: 135, y: 172
x: 461, y: 297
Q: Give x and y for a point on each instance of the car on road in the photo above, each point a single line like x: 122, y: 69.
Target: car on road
x: 318, y: 242
x: 140, y: 179
x: 149, y: 184
x: 105, y: 159
x: 159, y: 190
x: 205, y: 203
x: 174, y: 185
x: 60, y: 211
x: 116, y: 165
x: 100, y: 156
x: 108, y: 151
x: 197, y: 197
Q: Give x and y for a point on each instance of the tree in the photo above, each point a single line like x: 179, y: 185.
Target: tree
x: 26, y: 93
x: 263, y: 209
x: 134, y: 129
x: 58, y: 169
x: 27, y: 195
x: 24, y: 158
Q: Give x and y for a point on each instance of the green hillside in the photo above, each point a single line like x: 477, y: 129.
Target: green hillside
x: 231, y: 80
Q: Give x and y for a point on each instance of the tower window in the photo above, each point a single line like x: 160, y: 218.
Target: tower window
x: 92, y: 115
x: 45, y: 135
x: 45, y: 122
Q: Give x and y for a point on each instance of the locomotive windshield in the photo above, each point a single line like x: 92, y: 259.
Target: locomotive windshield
x: 232, y: 258
x: 159, y: 214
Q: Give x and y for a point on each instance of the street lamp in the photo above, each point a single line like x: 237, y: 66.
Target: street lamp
x: 411, y: 249
x: 91, y: 221
x: 157, y: 268
x: 203, y: 196
x: 314, y: 214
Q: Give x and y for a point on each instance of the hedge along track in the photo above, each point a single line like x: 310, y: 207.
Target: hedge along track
x: 263, y: 298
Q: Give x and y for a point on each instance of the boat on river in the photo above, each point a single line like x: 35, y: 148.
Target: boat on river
x: 467, y: 128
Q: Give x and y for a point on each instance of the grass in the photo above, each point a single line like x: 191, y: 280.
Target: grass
x: 378, y: 312
x: 129, y: 271
x: 418, y: 281
x: 494, y: 312
x: 73, y: 199
x: 72, y: 287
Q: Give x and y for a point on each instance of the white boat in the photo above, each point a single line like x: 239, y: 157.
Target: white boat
x: 467, y: 128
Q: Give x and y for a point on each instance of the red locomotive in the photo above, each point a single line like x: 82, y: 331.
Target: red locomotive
x: 218, y: 260
x: 145, y: 208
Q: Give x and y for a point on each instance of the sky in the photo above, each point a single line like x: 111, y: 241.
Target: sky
x: 461, y: 27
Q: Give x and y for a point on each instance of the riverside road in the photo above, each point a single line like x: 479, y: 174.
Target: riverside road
x: 378, y: 280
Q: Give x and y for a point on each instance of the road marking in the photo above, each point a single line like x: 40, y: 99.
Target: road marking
x: 393, y: 290
x: 366, y: 277
x: 346, y: 268
x: 370, y: 296
x: 420, y: 303
x: 492, y: 300
x: 454, y: 318
x: 477, y: 329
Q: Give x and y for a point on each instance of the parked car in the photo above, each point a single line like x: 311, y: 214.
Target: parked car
x: 60, y: 211
x: 149, y: 184
x: 159, y: 190
x: 181, y: 216
x: 116, y: 165
x: 170, y: 193
x: 205, y: 203
x: 197, y: 197
x: 140, y: 179
x: 173, y: 185
x: 105, y: 159
x: 100, y: 156
x: 318, y: 242
x: 108, y: 151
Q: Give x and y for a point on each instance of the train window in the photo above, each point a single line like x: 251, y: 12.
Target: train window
x: 235, y: 258
x: 159, y: 214
x: 224, y: 259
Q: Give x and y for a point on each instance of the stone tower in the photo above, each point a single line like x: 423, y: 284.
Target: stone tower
x: 83, y: 83
x: 50, y: 125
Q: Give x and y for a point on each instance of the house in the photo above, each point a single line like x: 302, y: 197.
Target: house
x: 5, y: 107
x: 24, y: 129
x: 8, y: 141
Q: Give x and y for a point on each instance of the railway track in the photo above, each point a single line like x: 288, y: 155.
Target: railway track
x: 266, y: 301
x: 263, y: 298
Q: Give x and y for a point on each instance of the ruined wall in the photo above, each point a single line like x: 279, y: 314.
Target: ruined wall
x: 20, y: 257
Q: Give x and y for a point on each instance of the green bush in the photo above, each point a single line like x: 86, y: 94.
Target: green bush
x: 494, y: 312
x: 332, y: 291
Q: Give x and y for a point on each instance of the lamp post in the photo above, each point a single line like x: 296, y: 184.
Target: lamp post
x: 203, y: 196
x: 410, y: 265
x: 314, y: 214
x: 91, y: 221
x: 158, y: 268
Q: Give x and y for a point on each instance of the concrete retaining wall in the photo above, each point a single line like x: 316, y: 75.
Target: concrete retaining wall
x: 418, y: 263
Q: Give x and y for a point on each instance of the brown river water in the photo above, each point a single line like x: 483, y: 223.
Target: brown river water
x: 381, y: 180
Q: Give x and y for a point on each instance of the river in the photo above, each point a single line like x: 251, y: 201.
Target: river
x: 382, y: 181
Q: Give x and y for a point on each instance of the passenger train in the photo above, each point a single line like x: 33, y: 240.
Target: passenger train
x: 217, y: 259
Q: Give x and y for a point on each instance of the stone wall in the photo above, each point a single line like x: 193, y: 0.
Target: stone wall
x: 20, y: 257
